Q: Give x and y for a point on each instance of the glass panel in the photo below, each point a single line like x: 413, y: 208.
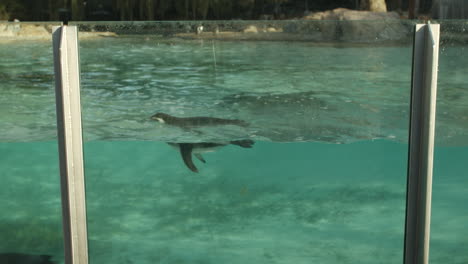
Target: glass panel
x: 449, y: 236
x: 314, y: 116
x: 30, y: 218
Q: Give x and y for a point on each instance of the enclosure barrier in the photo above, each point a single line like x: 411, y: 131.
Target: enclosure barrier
x: 67, y: 91
x: 421, y: 143
x: 420, y: 158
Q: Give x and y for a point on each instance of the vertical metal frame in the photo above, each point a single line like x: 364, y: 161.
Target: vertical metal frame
x: 67, y: 84
x: 421, y: 143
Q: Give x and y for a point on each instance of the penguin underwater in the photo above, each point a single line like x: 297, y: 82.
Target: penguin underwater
x: 188, y: 149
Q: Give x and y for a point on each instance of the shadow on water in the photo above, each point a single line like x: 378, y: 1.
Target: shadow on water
x: 323, y: 116
x: 264, y: 101
x: 27, y: 235
x: 32, y: 80
x: 21, y: 258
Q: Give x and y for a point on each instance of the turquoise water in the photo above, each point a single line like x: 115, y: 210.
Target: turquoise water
x: 30, y: 219
x: 325, y: 181
x: 244, y: 206
x: 321, y: 93
x: 283, y: 203
x: 145, y: 207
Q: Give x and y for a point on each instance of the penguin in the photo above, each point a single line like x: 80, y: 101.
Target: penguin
x: 187, y: 149
x: 188, y: 122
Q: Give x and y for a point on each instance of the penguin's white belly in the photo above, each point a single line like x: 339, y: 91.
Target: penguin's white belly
x: 205, y: 150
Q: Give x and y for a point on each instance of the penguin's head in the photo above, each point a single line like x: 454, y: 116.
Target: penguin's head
x: 160, y: 117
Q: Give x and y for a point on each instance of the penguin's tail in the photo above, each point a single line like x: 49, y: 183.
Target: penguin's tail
x: 245, y: 143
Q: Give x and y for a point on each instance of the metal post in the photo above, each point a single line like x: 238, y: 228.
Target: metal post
x: 421, y: 144
x: 67, y: 84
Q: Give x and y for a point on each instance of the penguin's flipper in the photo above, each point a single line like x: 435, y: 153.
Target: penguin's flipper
x: 186, y: 152
x: 192, y: 130
x: 200, y: 157
x: 245, y: 143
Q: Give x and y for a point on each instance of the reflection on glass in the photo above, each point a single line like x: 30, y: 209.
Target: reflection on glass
x: 312, y: 164
x: 30, y: 208
x: 449, y: 236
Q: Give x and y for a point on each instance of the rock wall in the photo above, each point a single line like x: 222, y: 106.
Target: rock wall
x: 14, y: 30
x: 11, y: 31
x: 343, y: 24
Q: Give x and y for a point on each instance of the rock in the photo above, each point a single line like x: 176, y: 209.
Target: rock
x: 250, y: 29
x: 271, y: 29
x: 17, y: 30
x: 9, y: 29
x: 359, y: 26
x: 374, y: 5
x: 33, y: 30
x: 378, y: 6
x: 5, y: 31
x: 348, y: 14
x: 93, y: 35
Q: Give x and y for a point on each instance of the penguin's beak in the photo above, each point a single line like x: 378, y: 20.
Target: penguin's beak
x: 160, y: 120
